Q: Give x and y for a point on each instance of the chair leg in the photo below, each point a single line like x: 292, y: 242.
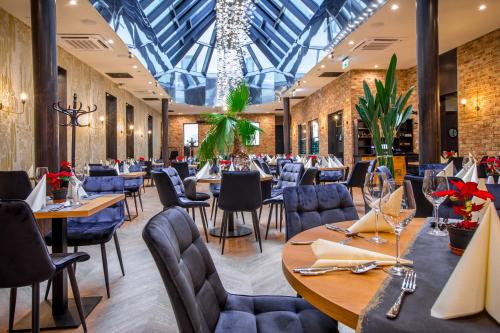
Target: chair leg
x: 222, y: 227
x: 276, y: 215
x: 207, y: 221
x: 76, y: 295
x: 194, y: 214
x: 119, y: 252
x: 243, y: 217
x: 216, y: 209
x: 12, y: 307
x: 213, y: 207
x: 135, y: 202
x: 75, y: 250
x: 140, y: 199
x: 204, y: 222
x: 281, y: 216
x: 47, y: 289
x: 128, y: 210
x: 269, y: 219
x: 223, y: 231
x: 105, y: 267
x: 35, y: 308
x: 260, y: 212
x: 257, y: 229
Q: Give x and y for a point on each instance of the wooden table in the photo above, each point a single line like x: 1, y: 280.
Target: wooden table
x: 132, y: 175
x: 341, y: 295
x: 61, y: 312
x: 232, y: 229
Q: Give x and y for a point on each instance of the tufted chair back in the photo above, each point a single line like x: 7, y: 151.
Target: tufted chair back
x: 309, y: 176
x: 240, y: 191
x: 310, y: 206
x: 14, y: 185
x: 135, y: 167
x: 385, y: 170
x: 357, y: 176
x: 176, y: 181
x: 25, y: 259
x: 102, y: 172
x: 371, y: 166
x: 290, y: 175
x: 105, y: 185
x: 495, y: 190
x: 166, y: 190
x: 187, y: 270
x: 182, y: 169
x: 280, y: 163
x: 266, y: 168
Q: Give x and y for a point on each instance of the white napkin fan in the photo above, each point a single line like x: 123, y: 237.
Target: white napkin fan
x: 38, y: 197
x: 203, y: 173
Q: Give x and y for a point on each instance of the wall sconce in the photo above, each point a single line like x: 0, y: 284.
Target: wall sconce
x: 150, y: 132
x: 463, y: 102
x: 130, y: 131
x: 10, y: 101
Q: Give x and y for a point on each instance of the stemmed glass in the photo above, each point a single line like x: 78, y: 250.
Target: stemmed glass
x: 465, y: 162
x: 397, y: 215
x: 372, y: 190
x: 40, y: 172
x: 434, y: 181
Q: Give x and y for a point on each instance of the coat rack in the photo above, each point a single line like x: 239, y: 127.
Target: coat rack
x: 74, y: 113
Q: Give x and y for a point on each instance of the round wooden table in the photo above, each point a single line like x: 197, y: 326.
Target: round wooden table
x: 341, y: 295
x: 233, y: 230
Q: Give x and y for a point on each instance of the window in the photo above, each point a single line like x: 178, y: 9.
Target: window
x: 256, y: 138
x: 191, y: 135
x: 314, y: 137
x: 302, y: 134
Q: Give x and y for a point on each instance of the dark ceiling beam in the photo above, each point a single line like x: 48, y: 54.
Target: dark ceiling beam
x: 195, y: 57
x: 160, y: 10
x: 296, y: 12
x: 311, y: 5
x: 273, y: 16
x: 209, y: 55
x: 270, y: 36
x: 254, y: 57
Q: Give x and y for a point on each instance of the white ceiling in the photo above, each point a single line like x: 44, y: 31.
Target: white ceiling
x: 460, y: 21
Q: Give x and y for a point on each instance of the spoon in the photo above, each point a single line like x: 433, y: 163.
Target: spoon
x: 357, y: 269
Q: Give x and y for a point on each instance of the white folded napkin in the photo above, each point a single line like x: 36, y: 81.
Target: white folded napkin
x: 475, y: 283
x: 31, y: 172
x: 367, y: 222
x: 255, y: 167
x: 231, y: 167
x: 38, y: 197
x: 81, y: 191
x: 447, y: 171
x: 203, y: 173
x: 471, y: 174
x: 117, y: 168
x: 308, y: 164
x: 490, y: 180
x: 273, y: 160
x: 335, y: 254
x: 337, y: 162
x: 125, y: 168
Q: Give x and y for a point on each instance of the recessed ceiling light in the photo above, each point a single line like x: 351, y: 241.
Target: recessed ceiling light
x: 322, y: 66
x: 482, y: 6
x: 304, y: 81
x: 161, y: 94
x: 395, y: 6
x: 73, y: 2
x: 351, y: 42
x: 376, y: 66
x: 110, y: 41
x: 134, y: 67
x: 150, y: 82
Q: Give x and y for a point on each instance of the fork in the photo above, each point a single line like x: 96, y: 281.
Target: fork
x: 408, y: 287
x: 346, y: 232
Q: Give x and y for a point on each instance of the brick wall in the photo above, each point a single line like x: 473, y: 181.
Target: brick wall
x: 478, y: 65
x: 266, y: 123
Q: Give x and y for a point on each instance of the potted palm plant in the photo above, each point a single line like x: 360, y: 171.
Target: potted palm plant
x: 229, y: 133
x: 384, y: 113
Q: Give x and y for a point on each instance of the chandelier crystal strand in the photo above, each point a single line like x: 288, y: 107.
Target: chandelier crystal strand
x: 232, y: 28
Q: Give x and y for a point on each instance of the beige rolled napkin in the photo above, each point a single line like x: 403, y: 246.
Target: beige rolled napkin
x: 308, y: 164
x: 475, y: 283
x: 367, y: 222
x: 335, y: 254
x: 337, y: 162
x: 255, y: 167
x: 447, y: 171
x: 203, y: 173
x: 117, y: 168
x: 38, y: 197
x: 443, y: 160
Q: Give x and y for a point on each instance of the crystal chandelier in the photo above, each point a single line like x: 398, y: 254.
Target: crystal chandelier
x: 232, y: 26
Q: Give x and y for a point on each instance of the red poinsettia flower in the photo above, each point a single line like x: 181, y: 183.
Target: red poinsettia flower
x: 141, y: 158
x: 289, y: 155
x: 117, y: 161
x: 180, y: 158
x: 66, y: 165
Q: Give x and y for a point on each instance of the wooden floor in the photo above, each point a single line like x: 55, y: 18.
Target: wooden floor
x: 139, y: 301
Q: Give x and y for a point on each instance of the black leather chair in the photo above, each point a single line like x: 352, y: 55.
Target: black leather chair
x: 171, y: 192
x: 310, y: 206
x: 199, y: 300
x: 215, y: 190
x: 309, y: 176
x: 14, y: 185
x: 25, y: 260
x: 182, y: 169
x: 240, y: 192
x: 290, y: 176
x: 357, y: 177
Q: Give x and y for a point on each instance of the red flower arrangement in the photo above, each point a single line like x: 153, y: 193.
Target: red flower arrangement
x: 289, y: 155
x: 449, y: 154
x: 463, y: 197
x: 117, y: 161
x: 65, y: 166
x: 492, y: 165
x: 58, y: 179
x: 180, y: 158
x: 224, y: 162
x: 141, y: 158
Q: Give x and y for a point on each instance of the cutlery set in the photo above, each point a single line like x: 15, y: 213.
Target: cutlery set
x: 356, y: 269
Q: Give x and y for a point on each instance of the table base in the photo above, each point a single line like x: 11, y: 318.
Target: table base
x: 238, y: 231
x: 48, y: 321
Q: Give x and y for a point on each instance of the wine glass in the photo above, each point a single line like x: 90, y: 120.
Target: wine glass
x: 465, y: 162
x: 397, y: 214
x: 372, y: 189
x: 40, y: 172
x: 435, y: 181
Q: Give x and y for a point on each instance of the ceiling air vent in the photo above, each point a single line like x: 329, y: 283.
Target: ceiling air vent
x: 297, y: 97
x: 376, y: 44
x: 171, y: 111
x: 120, y: 75
x: 151, y: 99
x: 278, y: 109
x: 330, y: 74
x: 84, y: 42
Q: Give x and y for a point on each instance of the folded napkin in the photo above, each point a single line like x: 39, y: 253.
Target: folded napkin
x: 273, y: 160
x: 31, y: 172
x: 203, y: 173
x: 231, y: 167
x: 81, y: 191
x: 475, y: 283
x: 125, y: 168
x: 367, y: 222
x: 443, y: 160
x: 308, y: 164
x: 447, y: 171
x: 335, y: 254
x: 117, y: 168
x: 471, y: 174
x: 337, y: 162
x: 490, y: 180
x: 255, y: 167
x: 38, y: 197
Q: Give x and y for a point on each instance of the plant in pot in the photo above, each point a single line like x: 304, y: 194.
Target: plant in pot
x: 461, y: 232
x: 229, y: 134
x: 384, y: 112
x: 58, y: 184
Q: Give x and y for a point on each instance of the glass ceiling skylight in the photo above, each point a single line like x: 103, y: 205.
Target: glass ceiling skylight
x: 175, y: 40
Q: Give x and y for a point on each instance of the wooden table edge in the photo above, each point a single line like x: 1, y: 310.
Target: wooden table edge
x: 78, y: 213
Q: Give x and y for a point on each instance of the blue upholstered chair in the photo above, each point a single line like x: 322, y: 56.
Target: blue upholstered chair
x: 280, y: 163
x: 495, y: 190
x: 101, y: 227
x: 357, y: 177
x: 309, y: 176
x: 171, y: 192
x: 310, y: 206
x: 385, y: 170
x: 429, y: 166
x: 215, y: 190
x: 290, y: 175
x: 133, y: 185
x: 330, y: 176
x: 199, y: 300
